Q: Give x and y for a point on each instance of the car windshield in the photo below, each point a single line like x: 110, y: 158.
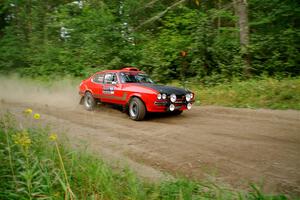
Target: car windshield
x: 135, y: 78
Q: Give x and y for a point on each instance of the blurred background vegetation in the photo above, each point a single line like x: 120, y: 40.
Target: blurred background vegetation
x: 248, y: 47
x: 203, y: 41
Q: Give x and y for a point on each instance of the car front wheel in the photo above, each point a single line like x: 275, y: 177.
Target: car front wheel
x: 89, y: 101
x: 137, y: 109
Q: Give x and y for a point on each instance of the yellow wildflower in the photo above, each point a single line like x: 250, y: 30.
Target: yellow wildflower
x: 53, y: 137
x: 36, y: 116
x: 22, y: 139
x: 28, y: 111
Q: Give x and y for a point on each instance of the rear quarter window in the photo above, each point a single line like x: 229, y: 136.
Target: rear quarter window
x: 98, y: 78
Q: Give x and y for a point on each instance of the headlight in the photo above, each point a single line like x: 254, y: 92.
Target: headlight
x: 192, y: 95
x: 172, y: 107
x: 159, y: 96
x: 173, y: 98
x: 164, y: 96
x: 188, y: 97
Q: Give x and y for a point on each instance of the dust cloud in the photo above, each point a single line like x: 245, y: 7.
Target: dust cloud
x: 62, y: 93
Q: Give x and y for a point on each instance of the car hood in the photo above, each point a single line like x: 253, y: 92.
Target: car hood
x: 165, y: 89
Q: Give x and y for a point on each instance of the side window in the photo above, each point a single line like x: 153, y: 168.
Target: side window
x: 109, y: 78
x: 98, y: 78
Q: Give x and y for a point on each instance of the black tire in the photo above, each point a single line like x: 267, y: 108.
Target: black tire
x: 177, y: 112
x: 89, y: 101
x: 137, y: 109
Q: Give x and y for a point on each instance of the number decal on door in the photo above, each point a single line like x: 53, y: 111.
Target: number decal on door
x: 108, y: 90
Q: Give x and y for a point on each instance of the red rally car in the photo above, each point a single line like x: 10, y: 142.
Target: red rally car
x: 135, y: 92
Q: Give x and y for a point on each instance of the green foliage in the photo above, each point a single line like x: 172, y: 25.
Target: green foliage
x: 255, y: 93
x: 275, y: 38
x: 36, y: 166
x: 59, y: 38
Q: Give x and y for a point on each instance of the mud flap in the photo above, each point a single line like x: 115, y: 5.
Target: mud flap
x: 81, y: 100
x: 125, y: 108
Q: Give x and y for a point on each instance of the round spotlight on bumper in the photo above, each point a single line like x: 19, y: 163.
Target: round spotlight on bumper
x: 163, y: 96
x: 189, y: 106
x: 172, y: 107
x: 173, y: 97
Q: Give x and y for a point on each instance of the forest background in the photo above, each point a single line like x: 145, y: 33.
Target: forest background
x: 190, y: 42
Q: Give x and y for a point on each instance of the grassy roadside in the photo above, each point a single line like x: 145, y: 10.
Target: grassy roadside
x: 38, y: 164
x: 254, y: 93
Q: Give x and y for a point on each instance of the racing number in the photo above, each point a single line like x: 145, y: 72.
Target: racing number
x: 112, y: 90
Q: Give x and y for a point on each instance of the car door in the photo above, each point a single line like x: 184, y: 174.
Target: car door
x: 96, y: 85
x: 112, y: 89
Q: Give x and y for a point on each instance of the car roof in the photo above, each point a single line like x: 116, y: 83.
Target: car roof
x: 126, y: 69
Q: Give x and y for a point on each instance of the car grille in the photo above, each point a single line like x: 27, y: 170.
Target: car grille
x: 180, y: 99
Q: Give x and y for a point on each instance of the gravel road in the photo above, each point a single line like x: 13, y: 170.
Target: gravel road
x: 233, y: 146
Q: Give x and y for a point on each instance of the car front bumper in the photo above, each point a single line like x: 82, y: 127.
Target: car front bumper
x: 164, y: 105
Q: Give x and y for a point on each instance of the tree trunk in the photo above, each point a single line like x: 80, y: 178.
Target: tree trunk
x: 241, y: 7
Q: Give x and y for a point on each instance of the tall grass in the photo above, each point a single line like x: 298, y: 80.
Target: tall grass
x: 254, y: 93
x: 37, y: 164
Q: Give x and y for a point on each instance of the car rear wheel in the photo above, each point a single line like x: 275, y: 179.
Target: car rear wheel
x: 137, y: 109
x: 89, y: 102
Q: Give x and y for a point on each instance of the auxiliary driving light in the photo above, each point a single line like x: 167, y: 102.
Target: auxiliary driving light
x: 189, y: 106
x: 164, y: 96
x: 173, y: 97
x: 172, y: 107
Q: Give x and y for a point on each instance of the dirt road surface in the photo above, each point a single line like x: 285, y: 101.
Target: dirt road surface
x: 232, y: 146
